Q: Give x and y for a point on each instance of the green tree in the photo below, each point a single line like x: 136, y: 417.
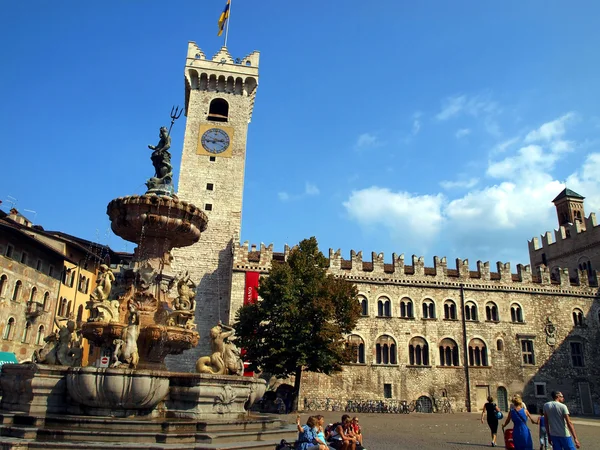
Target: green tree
x: 300, y: 319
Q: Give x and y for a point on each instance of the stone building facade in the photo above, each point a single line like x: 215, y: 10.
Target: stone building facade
x: 425, y: 332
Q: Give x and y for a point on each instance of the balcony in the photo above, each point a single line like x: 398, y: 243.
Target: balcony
x: 34, y: 309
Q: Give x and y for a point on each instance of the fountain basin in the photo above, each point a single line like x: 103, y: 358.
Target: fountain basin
x: 175, y: 221
x: 117, y: 392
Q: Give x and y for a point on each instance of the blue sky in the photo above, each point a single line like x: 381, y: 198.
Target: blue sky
x: 416, y: 127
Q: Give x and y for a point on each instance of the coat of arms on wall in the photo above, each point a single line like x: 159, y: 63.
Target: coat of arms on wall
x: 550, y: 332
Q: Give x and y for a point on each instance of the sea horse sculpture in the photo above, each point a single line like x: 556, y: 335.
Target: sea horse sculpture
x: 126, y: 349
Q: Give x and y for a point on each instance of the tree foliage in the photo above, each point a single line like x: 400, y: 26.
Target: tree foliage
x: 301, y: 317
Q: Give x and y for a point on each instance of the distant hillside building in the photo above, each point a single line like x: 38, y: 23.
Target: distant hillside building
x: 426, y: 332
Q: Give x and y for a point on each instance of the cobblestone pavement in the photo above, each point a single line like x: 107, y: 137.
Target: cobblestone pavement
x: 442, y: 431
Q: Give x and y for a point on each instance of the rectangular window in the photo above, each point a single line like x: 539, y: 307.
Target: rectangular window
x: 527, y: 352
x: 577, y: 354
x: 208, y: 207
x: 50, y: 271
x: 24, y: 258
x: 540, y: 390
x: 387, y: 390
x: 212, y: 158
x: 9, y: 251
x: 38, y: 266
x: 210, y: 186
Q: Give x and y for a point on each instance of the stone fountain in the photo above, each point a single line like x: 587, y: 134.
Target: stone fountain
x: 138, y: 316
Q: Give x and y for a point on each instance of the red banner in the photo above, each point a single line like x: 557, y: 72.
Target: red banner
x: 251, y: 293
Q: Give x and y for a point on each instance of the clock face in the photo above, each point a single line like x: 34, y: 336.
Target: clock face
x: 215, y: 140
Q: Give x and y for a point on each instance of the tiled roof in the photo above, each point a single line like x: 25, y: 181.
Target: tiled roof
x: 566, y: 192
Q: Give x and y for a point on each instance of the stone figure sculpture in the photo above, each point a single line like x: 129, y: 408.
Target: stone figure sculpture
x: 161, y: 160
x: 225, y: 359
x: 185, y: 293
x: 101, y: 308
x: 60, y: 348
x: 126, y: 349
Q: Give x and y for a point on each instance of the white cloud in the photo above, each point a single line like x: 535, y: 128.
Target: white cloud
x: 367, y: 140
x: 465, y: 184
x: 550, y: 130
x: 402, y: 214
x: 416, y: 127
x: 477, y: 105
x: 493, y: 221
x: 311, y: 189
x: 283, y: 196
x: 462, y: 132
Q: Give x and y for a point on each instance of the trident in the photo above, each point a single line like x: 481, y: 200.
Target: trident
x: 175, y: 114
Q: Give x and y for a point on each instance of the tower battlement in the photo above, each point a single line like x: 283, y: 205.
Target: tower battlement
x: 248, y: 257
x: 221, y: 74
x: 571, y: 232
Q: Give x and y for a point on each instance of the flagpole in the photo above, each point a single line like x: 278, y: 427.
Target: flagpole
x: 227, y: 24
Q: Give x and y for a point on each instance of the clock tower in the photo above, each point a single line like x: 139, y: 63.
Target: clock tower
x: 219, y: 98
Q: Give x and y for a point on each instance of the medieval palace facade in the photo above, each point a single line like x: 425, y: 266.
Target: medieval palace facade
x: 425, y: 332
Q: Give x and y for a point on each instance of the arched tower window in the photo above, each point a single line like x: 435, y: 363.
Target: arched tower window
x: 406, y: 308
x: 384, y: 308
x: 358, y: 344
x: 500, y: 345
x: 385, y: 350
x: 449, y: 310
x: 39, y: 338
x: 17, y: 291
x: 418, y: 352
x: 46, y: 299
x: 491, y: 312
x: 33, y: 294
x: 516, y: 313
x: 577, y: 317
x: 448, y: 353
x: 218, y: 110
x: 26, y: 332
x: 364, y: 305
x: 3, y: 283
x: 9, y: 329
x: 471, y: 311
x: 477, y: 353
x: 428, y: 309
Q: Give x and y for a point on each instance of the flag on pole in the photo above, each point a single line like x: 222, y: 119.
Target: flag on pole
x: 223, y: 18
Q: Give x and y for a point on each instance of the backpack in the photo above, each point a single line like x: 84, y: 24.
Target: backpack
x: 284, y: 445
x: 331, y: 428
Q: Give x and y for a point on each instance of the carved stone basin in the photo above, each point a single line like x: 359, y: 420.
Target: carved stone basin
x: 117, y: 392
x: 138, y: 217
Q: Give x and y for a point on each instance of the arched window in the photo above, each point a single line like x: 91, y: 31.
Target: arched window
x: 358, y: 344
x: 17, y: 291
x: 46, y: 299
x: 477, y: 353
x: 428, y: 309
x: 3, y: 284
x: 9, y: 329
x: 516, y: 313
x: 491, y: 312
x: 418, y: 352
x: 40, y: 335
x: 26, y: 332
x: 448, y: 353
x: 80, y: 314
x: 33, y: 294
x: 62, y: 307
x: 500, y: 345
x: 385, y: 350
x: 87, y: 285
x: 577, y: 317
x: 449, y: 310
x: 406, y: 308
x: 502, y: 397
x: 471, y: 311
x: 69, y: 305
x: 364, y: 306
x: 219, y: 110
x: 384, y: 307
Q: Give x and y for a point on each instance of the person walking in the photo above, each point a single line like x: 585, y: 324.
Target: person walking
x: 521, y: 434
x: 558, y: 424
x: 491, y: 409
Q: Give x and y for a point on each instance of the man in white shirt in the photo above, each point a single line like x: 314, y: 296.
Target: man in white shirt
x: 558, y: 424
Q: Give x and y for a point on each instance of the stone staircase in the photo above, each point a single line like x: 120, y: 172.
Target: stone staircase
x: 261, y: 432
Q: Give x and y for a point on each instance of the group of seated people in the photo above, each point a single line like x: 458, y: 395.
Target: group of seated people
x: 344, y: 435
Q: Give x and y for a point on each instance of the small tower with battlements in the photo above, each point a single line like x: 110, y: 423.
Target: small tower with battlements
x: 219, y: 99
x: 569, y: 207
